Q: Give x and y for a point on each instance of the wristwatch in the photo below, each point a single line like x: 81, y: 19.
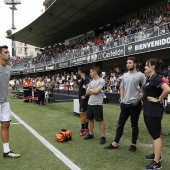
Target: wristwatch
x: 159, y: 100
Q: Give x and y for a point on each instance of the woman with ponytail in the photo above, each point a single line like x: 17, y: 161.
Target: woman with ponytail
x: 155, y: 90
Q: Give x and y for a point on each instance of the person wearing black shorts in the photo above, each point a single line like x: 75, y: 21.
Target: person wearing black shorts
x: 130, y: 96
x: 155, y: 90
x: 83, y: 100
x: 95, y: 103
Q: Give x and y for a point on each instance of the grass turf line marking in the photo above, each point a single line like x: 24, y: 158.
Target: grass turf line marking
x: 56, y: 152
x: 15, y: 123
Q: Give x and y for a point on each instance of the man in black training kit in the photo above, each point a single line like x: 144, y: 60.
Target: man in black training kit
x: 5, y: 112
x: 83, y: 100
x: 130, y: 96
x: 95, y: 103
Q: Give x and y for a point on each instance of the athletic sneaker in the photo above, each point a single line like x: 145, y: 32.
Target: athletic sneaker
x: 88, y: 137
x: 132, y: 148
x: 82, y: 132
x: 11, y: 154
x: 153, y: 166
x: 151, y: 157
x: 86, y: 129
x: 111, y: 147
x: 102, y: 140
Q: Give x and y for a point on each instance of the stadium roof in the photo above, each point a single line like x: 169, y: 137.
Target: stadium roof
x: 65, y: 19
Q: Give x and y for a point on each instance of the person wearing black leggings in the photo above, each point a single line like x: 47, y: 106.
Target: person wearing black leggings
x: 130, y: 96
x: 155, y: 90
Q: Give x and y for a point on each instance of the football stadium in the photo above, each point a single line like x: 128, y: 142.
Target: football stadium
x: 86, y: 50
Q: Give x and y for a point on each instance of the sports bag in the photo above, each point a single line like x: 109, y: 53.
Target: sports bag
x: 64, y: 135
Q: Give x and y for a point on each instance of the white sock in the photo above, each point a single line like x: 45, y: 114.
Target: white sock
x: 6, y: 147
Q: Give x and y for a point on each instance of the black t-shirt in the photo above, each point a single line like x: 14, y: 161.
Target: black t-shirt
x: 82, y: 86
x: 153, y: 88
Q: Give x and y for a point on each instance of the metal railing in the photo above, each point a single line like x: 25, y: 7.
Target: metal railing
x: 77, y: 53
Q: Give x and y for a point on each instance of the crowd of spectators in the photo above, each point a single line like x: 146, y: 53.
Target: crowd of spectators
x: 145, y: 25
x: 17, y: 60
x: 113, y: 77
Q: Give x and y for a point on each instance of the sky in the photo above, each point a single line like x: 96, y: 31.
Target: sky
x: 26, y: 13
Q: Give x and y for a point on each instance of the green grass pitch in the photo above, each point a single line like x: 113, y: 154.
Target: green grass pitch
x: 88, y: 155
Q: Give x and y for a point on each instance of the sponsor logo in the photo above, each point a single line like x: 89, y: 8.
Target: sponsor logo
x: 64, y: 64
x: 110, y: 54
x: 50, y: 67
x: 79, y: 60
x: 113, y: 53
x: 130, y: 48
x: 82, y: 60
x: 39, y: 69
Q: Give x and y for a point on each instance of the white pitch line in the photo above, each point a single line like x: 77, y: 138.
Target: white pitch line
x: 56, y: 152
x: 15, y: 123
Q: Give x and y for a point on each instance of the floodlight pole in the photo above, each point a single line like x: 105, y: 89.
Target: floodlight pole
x: 13, y: 22
x: 13, y: 4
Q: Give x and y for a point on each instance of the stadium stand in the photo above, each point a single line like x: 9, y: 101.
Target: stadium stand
x: 107, y: 46
x: 153, y: 23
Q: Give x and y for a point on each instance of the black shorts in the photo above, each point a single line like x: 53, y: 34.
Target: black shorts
x: 83, y: 105
x: 95, y: 112
x: 153, y: 125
